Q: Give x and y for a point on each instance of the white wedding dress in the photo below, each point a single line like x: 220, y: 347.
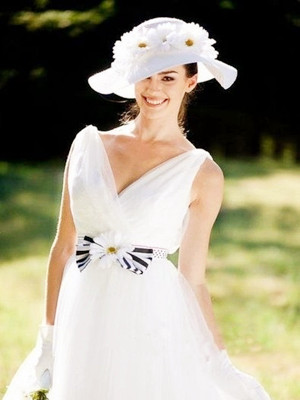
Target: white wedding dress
x: 121, y: 335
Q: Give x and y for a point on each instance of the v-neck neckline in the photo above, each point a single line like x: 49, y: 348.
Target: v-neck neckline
x: 145, y: 174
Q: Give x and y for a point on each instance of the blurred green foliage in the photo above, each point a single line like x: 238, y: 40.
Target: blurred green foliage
x: 29, y: 199
x: 75, y: 21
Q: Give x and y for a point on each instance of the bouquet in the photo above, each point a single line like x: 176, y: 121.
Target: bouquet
x: 40, y: 394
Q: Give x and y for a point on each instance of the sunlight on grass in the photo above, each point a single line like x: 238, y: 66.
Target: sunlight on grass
x: 253, y: 266
x: 21, y: 304
x: 254, y: 272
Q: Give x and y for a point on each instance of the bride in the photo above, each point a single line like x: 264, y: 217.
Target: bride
x: 122, y: 322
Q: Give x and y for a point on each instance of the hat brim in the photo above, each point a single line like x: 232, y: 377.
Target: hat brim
x: 109, y: 81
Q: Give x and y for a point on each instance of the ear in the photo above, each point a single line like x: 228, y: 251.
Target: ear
x: 191, y: 83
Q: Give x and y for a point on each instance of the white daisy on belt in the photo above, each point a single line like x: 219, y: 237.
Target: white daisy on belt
x: 112, y: 248
x: 109, y: 247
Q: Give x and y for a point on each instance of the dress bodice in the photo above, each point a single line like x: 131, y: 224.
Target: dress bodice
x: 152, y: 210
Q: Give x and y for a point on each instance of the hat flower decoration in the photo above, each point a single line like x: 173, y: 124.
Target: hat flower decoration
x: 157, y: 44
x: 166, y: 37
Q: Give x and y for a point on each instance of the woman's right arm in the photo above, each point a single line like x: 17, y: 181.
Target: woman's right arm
x: 62, y: 248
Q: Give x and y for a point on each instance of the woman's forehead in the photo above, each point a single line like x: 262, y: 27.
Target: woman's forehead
x: 173, y: 70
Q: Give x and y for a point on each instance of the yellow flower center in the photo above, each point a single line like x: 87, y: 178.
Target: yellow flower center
x: 111, y: 250
x: 142, y: 45
x: 189, y: 42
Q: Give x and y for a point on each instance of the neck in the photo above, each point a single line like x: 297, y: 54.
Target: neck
x: 152, y: 130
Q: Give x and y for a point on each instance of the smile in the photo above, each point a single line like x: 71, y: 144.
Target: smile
x: 154, y: 102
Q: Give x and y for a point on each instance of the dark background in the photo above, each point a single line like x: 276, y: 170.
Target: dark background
x: 49, y: 48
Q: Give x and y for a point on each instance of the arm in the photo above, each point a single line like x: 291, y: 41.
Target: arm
x: 206, y: 200
x: 62, y: 248
x: 207, y: 195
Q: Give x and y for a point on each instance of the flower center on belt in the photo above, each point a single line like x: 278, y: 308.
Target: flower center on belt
x: 111, y: 250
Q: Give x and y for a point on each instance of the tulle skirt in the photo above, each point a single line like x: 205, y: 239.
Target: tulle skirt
x: 122, y: 336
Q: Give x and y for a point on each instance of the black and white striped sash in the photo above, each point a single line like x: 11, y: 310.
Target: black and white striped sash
x: 133, y: 258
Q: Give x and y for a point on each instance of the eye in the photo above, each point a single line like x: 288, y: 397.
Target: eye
x: 168, y: 78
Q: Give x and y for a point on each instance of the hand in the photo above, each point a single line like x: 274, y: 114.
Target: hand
x: 44, y: 364
x: 234, y: 382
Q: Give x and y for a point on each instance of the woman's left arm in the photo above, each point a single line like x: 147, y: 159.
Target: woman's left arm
x: 206, y: 200
x: 207, y: 196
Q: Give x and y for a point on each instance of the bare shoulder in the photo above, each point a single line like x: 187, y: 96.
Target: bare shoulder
x: 111, y: 135
x: 209, y: 180
x: 211, y: 170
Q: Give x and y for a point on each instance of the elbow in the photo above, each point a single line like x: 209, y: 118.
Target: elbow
x: 195, y: 281
x: 62, y: 250
x: 198, y: 286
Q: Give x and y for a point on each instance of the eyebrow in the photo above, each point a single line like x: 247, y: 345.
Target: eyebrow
x: 167, y: 72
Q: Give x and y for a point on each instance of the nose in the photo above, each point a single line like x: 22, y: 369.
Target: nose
x: 153, y: 84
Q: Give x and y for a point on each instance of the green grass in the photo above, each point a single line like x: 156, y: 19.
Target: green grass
x: 253, y: 266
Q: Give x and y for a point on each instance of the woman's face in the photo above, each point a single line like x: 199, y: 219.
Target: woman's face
x: 161, y: 94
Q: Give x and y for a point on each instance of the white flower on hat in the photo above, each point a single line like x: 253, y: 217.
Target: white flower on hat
x: 165, y: 33
x: 147, y: 40
x: 167, y: 37
x: 134, y: 44
x: 195, y: 38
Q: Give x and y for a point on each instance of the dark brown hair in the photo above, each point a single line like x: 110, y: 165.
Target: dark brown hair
x: 133, y: 109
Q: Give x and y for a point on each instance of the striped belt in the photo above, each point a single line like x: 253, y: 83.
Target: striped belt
x: 110, y: 248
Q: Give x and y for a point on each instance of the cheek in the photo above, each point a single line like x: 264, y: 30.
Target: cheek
x: 177, y: 93
x: 179, y: 87
x: 140, y: 86
x: 138, y: 90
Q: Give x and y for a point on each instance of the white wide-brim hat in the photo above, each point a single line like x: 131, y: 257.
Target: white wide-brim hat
x: 156, y: 45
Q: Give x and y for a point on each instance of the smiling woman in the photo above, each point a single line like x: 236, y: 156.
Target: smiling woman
x: 121, y: 321
x: 133, y: 109
x: 164, y: 92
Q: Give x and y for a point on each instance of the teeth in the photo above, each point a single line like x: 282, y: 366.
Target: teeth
x: 154, y: 102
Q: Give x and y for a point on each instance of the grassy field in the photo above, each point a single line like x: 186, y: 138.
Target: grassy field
x: 253, y: 266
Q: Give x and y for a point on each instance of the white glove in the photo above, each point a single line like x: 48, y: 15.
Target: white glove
x: 44, y: 364
x: 234, y: 382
